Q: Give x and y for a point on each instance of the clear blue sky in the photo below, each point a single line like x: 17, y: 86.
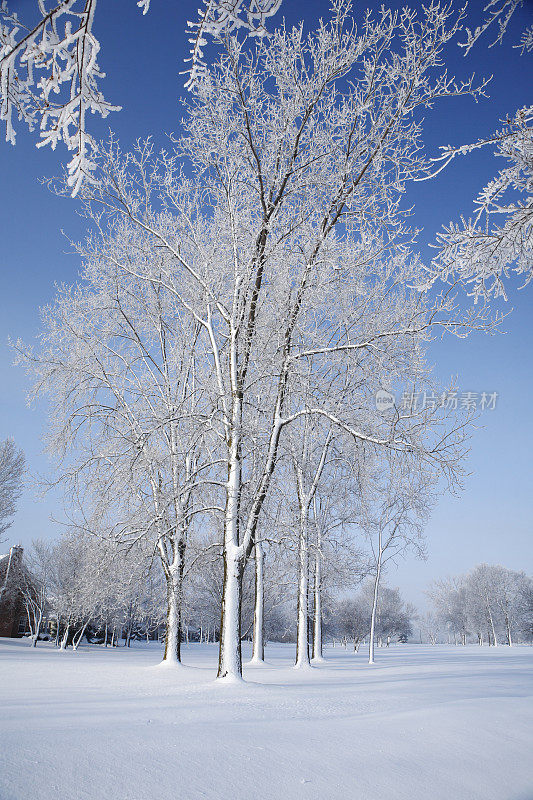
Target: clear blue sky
x: 142, y: 56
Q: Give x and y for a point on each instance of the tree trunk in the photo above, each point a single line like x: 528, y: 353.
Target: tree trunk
x: 302, y: 643
x: 56, y: 642
x: 37, y: 628
x: 373, y: 615
x: 317, y: 633
x: 64, y: 640
x: 491, y: 620
x: 230, y: 656
x: 258, y: 652
x: 76, y: 640
x: 172, y: 653
x: 508, y: 626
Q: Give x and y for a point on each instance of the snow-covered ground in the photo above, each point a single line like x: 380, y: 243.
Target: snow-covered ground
x: 425, y: 723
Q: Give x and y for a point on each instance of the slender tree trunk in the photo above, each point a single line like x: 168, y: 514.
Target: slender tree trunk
x: 56, y: 642
x: 302, y: 643
x: 491, y: 620
x: 258, y: 652
x: 374, y: 611
x: 508, y: 626
x: 317, y: 633
x: 76, y: 640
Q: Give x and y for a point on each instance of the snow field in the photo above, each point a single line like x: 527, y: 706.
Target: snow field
x: 424, y: 723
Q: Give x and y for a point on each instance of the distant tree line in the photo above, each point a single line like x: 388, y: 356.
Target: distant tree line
x: 489, y: 605
x: 75, y: 589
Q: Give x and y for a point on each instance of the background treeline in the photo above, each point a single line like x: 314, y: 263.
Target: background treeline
x: 489, y: 605
x: 73, y: 591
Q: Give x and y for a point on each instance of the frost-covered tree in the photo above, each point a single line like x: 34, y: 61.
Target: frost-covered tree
x: 509, y: 588
x: 483, y: 603
x: 35, y: 585
x: 117, y: 365
x: 429, y: 625
x: 496, y: 602
x: 71, y: 595
x: 450, y: 600
x: 393, y: 618
x: 93, y: 586
x: 351, y: 619
x: 336, y: 559
x: 525, y: 610
x: 273, y: 248
x: 309, y: 454
x: 488, y: 602
x: 396, y: 503
x: 11, y: 471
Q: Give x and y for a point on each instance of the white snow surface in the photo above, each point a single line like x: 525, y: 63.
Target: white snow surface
x: 423, y: 723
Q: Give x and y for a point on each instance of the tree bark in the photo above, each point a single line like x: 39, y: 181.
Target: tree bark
x: 317, y: 633
x: 373, y: 615
x: 258, y: 651
x: 302, y: 643
x: 508, y: 626
x: 230, y: 656
x: 65, y: 638
x: 172, y: 654
x: 76, y: 640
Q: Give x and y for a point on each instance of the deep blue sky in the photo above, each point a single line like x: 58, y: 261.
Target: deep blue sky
x: 142, y: 56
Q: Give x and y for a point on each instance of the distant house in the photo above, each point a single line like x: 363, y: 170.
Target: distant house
x: 13, y: 620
